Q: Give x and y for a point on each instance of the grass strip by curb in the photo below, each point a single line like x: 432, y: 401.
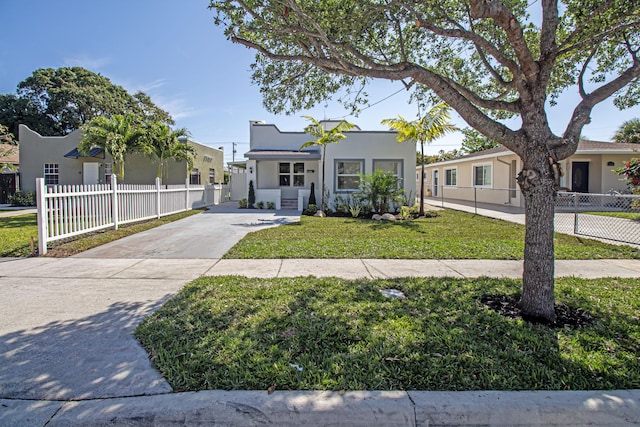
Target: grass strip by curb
x: 308, y: 333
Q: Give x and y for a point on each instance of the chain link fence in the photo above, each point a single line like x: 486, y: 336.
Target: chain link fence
x: 607, y: 216
x: 612, y: 216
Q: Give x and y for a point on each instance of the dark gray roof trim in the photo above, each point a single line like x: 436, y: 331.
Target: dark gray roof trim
x: 94, y: 152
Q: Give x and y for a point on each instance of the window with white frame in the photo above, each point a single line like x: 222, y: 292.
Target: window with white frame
x: 393, y: 166
x: 108, y: 171
x: 194, y: 178
x: 51, y: 173
x: 347, y: 174
x: 291, y: 173
x: 482, y: 175
x: 451, y: 177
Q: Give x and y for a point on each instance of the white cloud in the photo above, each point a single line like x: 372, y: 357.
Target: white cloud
x: 90, y: 63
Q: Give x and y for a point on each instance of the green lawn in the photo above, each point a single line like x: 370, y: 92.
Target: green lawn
x: 239, y: 333
x: 16, y: 233
x: 451, y: 235
x: 635, y: 216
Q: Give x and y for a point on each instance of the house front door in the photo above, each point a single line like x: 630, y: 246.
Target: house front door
x: 7, y: 187
x: 91, y: 173
x: 580, y: 177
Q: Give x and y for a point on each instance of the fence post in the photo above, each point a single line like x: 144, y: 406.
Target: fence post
x: 157, y: 197
x: 206, y: 193
x: 575, y: 213
x: 41, y: 201
x: 186, y: 194
x: 441, y: 194
x: 475, y: 199
x: 114, y: 200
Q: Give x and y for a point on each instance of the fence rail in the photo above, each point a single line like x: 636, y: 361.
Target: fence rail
x: 70, y: 210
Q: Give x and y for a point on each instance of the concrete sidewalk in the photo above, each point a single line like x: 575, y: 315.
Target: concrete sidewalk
x: 69, y: 357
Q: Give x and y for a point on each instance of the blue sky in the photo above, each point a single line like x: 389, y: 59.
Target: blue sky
x: 172, y: 51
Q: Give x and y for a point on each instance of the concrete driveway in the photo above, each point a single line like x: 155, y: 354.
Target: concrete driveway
x: 208, y: 235
x: 66, y: 325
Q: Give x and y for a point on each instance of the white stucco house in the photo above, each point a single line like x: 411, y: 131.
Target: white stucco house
x: 282, y: 173
x: 492, y: 173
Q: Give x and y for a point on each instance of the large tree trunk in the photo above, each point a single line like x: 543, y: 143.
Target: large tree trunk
x: 538, y: 185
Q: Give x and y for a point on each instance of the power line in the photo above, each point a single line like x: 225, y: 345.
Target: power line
x: 371, y: 105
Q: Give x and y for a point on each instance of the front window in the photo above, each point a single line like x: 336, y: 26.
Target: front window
x: 393, y: 166
x: 451, y: 177
x: 482, y: 175
x: 51, y: 174
x: 291, y: 172
x: 194, y: 178
x: 212, y: 176
x: 348, y: 174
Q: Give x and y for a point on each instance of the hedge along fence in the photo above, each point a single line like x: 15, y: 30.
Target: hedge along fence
x: 70, y: 210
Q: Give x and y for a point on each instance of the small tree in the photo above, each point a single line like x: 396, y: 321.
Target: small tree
x: 162, y: 143
x: 433, y: 125
x: 118, y: 136
x: 252, y: 195
x: 6, y: 138
x: 323, y: 137
x: 380, y: 188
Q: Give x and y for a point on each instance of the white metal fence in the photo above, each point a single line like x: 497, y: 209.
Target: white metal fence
x: 70, y: 210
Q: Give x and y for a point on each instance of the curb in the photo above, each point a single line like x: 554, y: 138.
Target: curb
x: 358, y: 408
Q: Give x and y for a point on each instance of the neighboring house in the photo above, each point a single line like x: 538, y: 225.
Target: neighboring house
x: 57, y: 160
x: 9, y: 162
x: 588, y: 170
x: 283, y: 174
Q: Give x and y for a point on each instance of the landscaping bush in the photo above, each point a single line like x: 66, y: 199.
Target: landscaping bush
x: 242, y: 203
x: 252, y: 196
x: 260, y: 205
x: 271, y: 205
x: 22, y: 198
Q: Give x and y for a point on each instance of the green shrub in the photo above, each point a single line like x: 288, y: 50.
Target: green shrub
x: 271, y: 205
x: 355, y: 210
x: 260, y: 205
x: 405, y: 212
x: 252, y: 195
x: 22, y: 198
x: 311, y: 210
x: 242, y: 203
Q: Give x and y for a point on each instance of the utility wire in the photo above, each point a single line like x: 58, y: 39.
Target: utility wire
x: 371, y: 105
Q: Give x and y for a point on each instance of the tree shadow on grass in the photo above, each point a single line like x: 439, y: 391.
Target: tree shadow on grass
x: 333, y: 334
x: 87, y: 358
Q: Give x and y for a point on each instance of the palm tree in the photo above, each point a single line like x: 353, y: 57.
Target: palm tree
x: 118, y: 135
x: 163, y: 143
x: 426, y: 129
x: 323, y: 137
x: 628, y: 132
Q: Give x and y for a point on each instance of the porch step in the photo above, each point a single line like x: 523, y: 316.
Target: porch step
x: 289, y: 204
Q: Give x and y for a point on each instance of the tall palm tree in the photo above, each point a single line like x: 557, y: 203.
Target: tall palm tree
x: 426, y: 129
x: 324, y: 137
x: 118, y: 135
x: 163, y: 143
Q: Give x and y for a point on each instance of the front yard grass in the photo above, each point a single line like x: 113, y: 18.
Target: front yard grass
x: 451, y: 235
x: 308, y: 333
x: 16, y: 233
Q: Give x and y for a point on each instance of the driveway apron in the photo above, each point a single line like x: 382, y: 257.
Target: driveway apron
x: 66, y: 325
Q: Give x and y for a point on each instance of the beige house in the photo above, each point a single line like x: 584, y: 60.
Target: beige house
x: 282, y: 174
x: 490, y: 176
x: 57, y: 160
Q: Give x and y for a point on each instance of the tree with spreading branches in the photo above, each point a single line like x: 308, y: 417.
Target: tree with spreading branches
x: 488, y: 59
